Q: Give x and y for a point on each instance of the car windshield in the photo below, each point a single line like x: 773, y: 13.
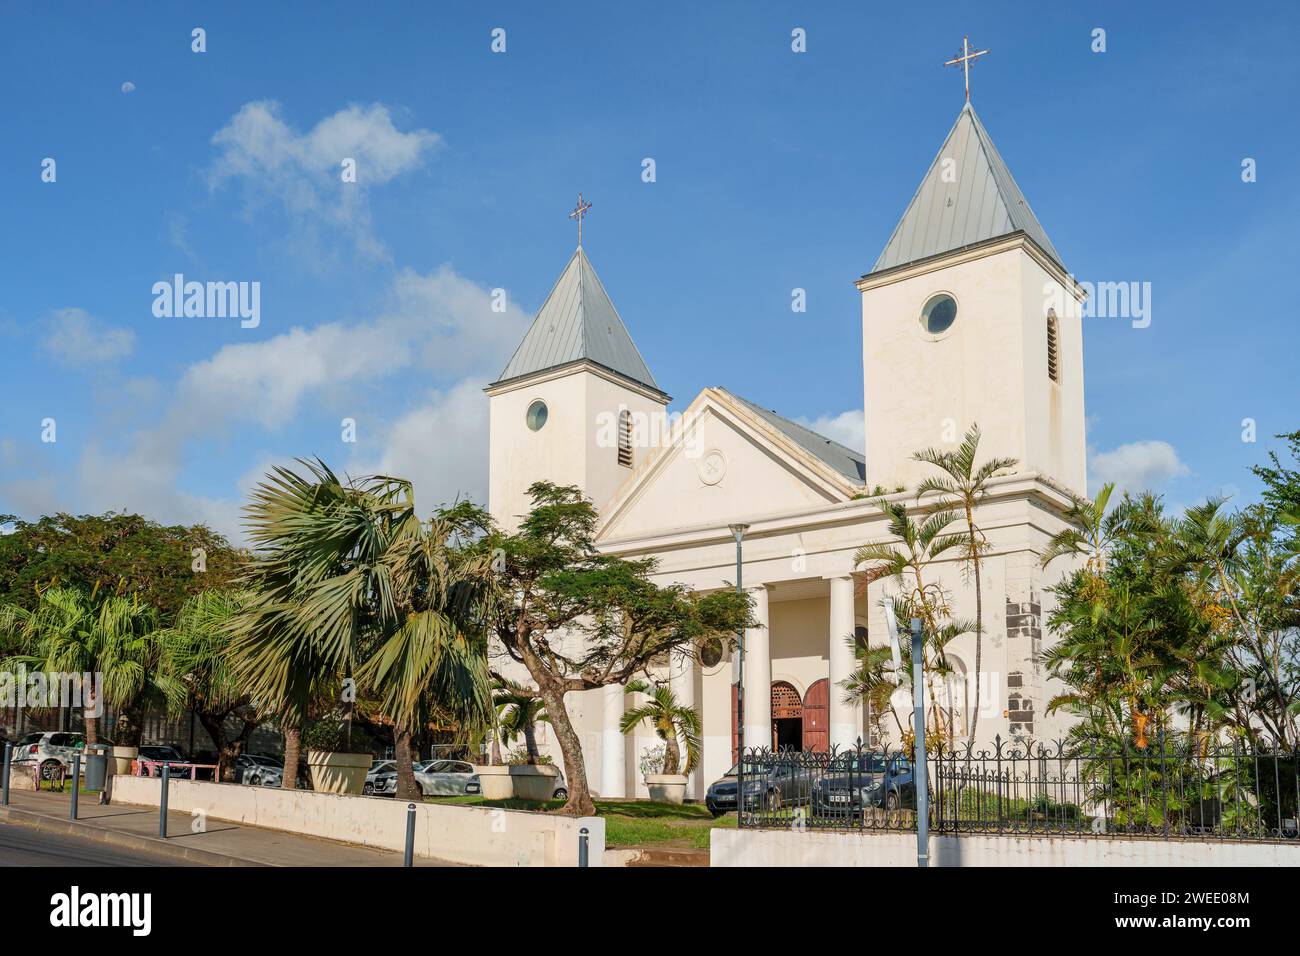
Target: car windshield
x: 751, y: 767
x: 858, y: 763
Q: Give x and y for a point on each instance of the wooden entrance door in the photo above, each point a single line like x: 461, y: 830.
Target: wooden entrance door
x: 816, y: 717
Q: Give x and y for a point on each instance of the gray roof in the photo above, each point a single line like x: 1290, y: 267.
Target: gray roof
x: 849, y: 463
x: 982, y: 203
x: 578, y: 322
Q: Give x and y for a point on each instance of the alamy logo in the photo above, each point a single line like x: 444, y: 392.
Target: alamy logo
x: 22, y: 688
x: 75, y: 909
x: 208, y: 300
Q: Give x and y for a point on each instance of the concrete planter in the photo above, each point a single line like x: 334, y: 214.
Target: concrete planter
x: 337, y: 772
x: 495, y: 782
x: 120, y: 760
x: 666, y: 787
x: 534, y: 782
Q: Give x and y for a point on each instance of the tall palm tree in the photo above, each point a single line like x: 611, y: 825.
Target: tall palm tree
x: 923, y: 544
x: 673, y: 723
x: 519, y: 711
x: 346, y: 580
x: 962, y: 486
x: 129, y: 655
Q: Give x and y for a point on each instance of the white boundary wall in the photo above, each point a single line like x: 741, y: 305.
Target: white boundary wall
x: 793, y: 848
x: 481, y: 836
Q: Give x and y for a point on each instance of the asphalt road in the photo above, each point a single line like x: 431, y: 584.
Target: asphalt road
x: 28, y: 846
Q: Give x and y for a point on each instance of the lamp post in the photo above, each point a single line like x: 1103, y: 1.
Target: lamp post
x: 738, y: 532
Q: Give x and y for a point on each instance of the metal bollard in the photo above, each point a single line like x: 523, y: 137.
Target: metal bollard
x: 4, y: 774
x: 582, y: 847
x: 162, y: 803
x: 410, y: 836
x: 76, y: 782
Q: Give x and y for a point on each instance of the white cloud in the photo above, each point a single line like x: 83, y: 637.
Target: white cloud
x: 75, y: 337
x: 438, y: 323
x: 847, y: 428
x: 1136, y: 466
x: 303, y: 171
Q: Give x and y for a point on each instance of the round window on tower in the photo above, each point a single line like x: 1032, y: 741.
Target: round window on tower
x: 939, y: 313
x: 536, y: 416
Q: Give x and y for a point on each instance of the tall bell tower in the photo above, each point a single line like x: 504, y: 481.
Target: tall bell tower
x: 969, y: 316
x: 564, y: 407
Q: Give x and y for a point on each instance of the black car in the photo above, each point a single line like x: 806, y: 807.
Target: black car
x: 856, y: 781
x: 768, y: 786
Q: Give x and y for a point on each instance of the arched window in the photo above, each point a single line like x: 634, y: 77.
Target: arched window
x: 1053, y: 347
x: 625, y: 438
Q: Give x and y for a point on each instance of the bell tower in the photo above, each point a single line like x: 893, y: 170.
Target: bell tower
x: 566, y: 406
x: 969, y: 316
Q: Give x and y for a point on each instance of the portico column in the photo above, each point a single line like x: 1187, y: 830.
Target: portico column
x: 681, y: 681
x: 758, y: 676
x: 612, y: 743
x: 845, y: 719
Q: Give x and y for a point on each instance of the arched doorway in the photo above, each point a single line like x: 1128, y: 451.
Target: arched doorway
x: 816, y: 717
x: 787, y: 717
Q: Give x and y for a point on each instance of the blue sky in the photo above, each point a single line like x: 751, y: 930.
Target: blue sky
x: 773, y: 171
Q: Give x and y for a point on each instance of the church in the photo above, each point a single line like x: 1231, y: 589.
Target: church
x: 962, y: 323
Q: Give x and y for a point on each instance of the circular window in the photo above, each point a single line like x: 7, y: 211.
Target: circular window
x: 536, y: 416
x: 710, y: 652
x: 939, y: 313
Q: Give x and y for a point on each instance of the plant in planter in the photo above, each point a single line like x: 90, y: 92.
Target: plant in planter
x: 676, y: 725
x: 335, y: 759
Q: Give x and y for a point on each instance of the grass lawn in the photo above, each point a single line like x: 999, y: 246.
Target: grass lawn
x: 631, y: 822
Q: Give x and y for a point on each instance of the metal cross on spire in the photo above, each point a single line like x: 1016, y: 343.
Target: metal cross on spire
x: 579, y: 211
x: 967, y: 57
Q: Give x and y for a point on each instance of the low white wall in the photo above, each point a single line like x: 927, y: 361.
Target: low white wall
x: 793, y: 848
x: 480, y: 836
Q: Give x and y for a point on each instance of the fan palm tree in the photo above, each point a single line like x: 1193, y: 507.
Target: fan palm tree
x: 673, y: 723
x: 348, y: 581
x: 962, y: 486
x: 519, y: 711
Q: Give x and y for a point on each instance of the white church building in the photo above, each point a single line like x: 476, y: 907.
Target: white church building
x: 962, y: 322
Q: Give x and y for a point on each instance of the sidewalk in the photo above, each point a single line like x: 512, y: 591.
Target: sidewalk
x: 221, y: 844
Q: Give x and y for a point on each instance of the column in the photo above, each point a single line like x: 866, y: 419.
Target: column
x: 758, y: 676
x: 845, y: 719
x: 613, y: 745
x: 681, y: 680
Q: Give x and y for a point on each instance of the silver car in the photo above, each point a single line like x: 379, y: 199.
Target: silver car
x: 436, y: 778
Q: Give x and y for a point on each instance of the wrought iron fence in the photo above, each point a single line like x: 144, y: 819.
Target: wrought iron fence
x: 1208, y: 793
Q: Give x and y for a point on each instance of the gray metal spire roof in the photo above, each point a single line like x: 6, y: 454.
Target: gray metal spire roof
x: 845, y: 460
x: 982, y: 202
x: 576, y: 322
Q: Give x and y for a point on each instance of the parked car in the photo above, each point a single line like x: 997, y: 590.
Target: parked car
x: 853, y: 782
x: 377, y: 769
x: 258, y: 771
x: 50, y: 750
x: 768, y: 784
x: 169, y: 754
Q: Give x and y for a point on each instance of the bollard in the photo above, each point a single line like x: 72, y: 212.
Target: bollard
x: 4, y: 774
x: 162, y: 803
x: 410, y: 836
x: 76, y: 782
x: 582, y: 847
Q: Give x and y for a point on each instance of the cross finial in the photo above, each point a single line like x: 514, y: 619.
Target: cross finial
x: 579, y: 211
x: 967, y: 57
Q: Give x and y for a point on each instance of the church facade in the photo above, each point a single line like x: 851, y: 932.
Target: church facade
x: 968, y: 316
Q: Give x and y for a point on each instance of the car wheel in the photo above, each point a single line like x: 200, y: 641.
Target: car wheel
x: 368, y: 789
x: 560, y: 794
x: 891, y: 801
x: 50, y: 769
x: 773, y: 799
x: 715, y: 813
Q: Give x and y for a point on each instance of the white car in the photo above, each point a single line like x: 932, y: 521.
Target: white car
x: 50, y: 750
x: 258, y: 771
x: 377, y: 769
x: 437, y: 778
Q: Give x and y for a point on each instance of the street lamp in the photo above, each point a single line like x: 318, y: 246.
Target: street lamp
x: 738, y: 532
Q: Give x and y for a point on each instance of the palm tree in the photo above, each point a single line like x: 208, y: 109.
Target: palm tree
x: 873, y: 683
x: 348, y: 581
x: 129, y: 652
x: 672, y: 722
x: 519, y: 711
x: 963, y: 486
x: 1093, y: 531
x: 57, y: 636
x: 199, y: 676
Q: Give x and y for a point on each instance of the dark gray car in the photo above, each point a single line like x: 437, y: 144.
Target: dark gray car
x: 767, y: 786
x: 855, y: 781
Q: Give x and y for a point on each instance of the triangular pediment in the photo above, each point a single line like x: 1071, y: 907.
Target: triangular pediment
x: 722, y: 462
